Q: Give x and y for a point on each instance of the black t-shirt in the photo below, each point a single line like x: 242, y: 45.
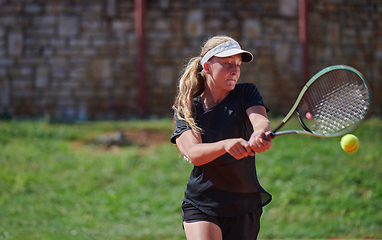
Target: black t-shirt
x: 225, y: 186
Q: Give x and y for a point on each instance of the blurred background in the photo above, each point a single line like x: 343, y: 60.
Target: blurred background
x: 114, y: 59
x: 64, y: 61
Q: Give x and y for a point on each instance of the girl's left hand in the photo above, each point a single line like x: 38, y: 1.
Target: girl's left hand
x: 258, y: 143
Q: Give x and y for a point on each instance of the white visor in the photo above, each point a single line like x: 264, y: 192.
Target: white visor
x: 227, y: 49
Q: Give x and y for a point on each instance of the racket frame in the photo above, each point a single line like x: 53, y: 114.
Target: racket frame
x: 273, y: 133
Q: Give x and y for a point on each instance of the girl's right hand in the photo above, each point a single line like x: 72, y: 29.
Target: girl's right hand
x: 238, y: 148
x: 258, y: 143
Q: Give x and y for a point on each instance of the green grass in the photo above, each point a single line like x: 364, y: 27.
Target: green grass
x: 320, y: 191
x: 51, y: 188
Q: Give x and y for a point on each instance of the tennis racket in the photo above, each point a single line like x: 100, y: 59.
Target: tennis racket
x: 333, y: 103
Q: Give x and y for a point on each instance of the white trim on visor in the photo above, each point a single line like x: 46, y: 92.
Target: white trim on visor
x: 227, y: 49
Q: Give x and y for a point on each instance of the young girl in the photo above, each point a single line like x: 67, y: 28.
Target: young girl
x: 219, y: 126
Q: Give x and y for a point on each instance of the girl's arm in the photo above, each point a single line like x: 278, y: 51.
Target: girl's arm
x: 260, y: 123
x: 199, y: 153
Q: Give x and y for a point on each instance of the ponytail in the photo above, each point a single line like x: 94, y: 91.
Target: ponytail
x: 191, y: 84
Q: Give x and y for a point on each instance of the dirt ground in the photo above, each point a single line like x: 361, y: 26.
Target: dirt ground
x: 146, y: 138
x: 112, y: 142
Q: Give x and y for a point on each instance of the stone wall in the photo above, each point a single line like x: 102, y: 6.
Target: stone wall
x: 68, y: 59
x: 269, y: 29
x: 78, y: 59
x: 348, y: 32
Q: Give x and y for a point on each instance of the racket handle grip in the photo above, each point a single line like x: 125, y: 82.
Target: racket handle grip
x: 268, y: 136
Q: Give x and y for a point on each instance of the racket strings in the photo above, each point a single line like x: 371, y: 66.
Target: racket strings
x: 337, y: 100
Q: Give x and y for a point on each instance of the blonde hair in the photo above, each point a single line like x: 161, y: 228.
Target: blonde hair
x: 192, y: 83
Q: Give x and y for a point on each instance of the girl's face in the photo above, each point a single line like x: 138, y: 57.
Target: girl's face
x: 225, y: 71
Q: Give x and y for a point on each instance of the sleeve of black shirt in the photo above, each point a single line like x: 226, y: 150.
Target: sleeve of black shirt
x: 180, y: 127
x: 252, y: 97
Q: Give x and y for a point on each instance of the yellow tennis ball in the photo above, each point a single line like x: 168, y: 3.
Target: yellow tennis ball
x: 349, y: 143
